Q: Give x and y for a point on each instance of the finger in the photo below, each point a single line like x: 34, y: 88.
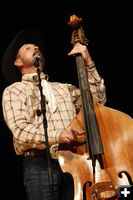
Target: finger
x: 64, y: 140
x: 71, y: 136
x: 67, y: 140
x: 78, y: 132
x: 67, y: 136
x: 72, y: 53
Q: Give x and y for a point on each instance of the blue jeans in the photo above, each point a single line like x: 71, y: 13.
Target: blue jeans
x: 36, y: 180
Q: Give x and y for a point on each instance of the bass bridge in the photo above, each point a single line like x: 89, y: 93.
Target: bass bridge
x: 104, y: 190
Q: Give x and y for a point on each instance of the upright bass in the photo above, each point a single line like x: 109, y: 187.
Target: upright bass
x: 104, y: 160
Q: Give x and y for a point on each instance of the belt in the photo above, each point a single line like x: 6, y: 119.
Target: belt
x: 35, y: 152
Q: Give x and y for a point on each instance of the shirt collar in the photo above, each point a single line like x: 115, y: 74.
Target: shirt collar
x: 34, y: 77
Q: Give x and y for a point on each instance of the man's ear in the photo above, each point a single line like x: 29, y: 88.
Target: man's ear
x: 18, y: 63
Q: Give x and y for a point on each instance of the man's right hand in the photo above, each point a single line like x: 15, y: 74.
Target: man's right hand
x: 70, y: 135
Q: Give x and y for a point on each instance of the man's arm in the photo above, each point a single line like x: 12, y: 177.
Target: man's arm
x: 97, y: 86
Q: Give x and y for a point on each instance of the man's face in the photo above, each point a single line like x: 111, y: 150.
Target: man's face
x: 25, y: 54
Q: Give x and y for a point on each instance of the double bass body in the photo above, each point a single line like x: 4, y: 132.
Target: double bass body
x: 113, y: 168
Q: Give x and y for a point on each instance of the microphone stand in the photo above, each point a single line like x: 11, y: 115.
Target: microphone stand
x: 43, y: 111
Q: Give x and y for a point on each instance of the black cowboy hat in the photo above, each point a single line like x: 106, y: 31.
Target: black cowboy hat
x: 28, y: 36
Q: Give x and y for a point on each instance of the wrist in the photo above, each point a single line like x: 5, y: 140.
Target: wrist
x: 91, y: 65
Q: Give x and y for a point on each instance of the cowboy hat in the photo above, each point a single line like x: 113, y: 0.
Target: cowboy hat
x: 28, y: 36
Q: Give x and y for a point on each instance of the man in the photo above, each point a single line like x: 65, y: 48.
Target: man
x: 21, y: 103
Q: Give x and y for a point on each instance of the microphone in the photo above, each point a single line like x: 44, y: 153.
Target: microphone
x: 36, y: 60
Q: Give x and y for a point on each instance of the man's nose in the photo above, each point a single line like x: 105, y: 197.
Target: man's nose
x: 36, y: 48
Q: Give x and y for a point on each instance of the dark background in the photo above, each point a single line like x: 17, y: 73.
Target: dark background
x: 108, y: 28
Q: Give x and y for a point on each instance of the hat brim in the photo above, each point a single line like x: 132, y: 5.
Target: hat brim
x: 29, y: 36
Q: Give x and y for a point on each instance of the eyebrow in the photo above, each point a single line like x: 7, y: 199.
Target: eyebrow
x: 25, y: 45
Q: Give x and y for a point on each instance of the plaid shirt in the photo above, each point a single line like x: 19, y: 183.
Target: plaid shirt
x: 21, y: 100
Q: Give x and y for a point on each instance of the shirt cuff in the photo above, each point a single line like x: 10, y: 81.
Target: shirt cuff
x: 91, y: 67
